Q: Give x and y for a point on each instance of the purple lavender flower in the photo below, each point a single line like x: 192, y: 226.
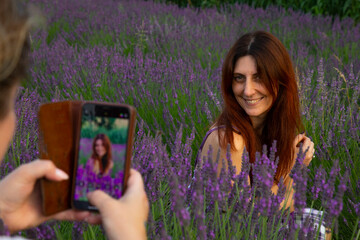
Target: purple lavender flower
x: 319, y: 182
x: 299, y: 173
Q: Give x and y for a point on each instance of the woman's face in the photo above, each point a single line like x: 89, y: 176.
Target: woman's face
x: 100, y: 148
x: 249, y: 91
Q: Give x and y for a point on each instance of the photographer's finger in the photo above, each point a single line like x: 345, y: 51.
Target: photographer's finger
x: 135, y: 182
x: 100, y: 200
x: 94, y: 219
x: 42, y: 168
x: 136, y: 190
x: 72, y: 215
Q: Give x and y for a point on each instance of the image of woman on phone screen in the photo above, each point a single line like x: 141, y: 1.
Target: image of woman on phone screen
x: 101, y: 161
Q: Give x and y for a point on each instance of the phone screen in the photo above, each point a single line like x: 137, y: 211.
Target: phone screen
x: 101, y: 152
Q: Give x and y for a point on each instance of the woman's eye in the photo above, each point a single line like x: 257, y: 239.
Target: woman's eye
x: 239, y: 78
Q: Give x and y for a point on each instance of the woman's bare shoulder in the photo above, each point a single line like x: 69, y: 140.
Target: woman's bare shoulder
x: 214, y: 136
x: 213, y: 139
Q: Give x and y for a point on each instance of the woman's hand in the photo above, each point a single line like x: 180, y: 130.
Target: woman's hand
x: 20, y: 200
x: 307, y: 145
x: 124, y: 218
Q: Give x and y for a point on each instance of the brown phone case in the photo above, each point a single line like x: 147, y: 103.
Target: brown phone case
x: 60, y: 125
x: 57, y: 123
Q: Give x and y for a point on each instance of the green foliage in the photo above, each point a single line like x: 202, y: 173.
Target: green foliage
x: 67, y: 230
x: 55, y: 28
x: 117, y: 136
x: 99, y: 38
x: 340, y: 8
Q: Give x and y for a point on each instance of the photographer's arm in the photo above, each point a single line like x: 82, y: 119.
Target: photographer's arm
x: 20, y: 200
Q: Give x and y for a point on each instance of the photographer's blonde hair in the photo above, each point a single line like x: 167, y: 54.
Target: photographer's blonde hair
x: 15, y: 22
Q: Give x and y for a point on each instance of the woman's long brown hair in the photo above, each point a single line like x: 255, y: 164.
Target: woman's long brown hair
x: 283, y: 121
x: 107, y: 144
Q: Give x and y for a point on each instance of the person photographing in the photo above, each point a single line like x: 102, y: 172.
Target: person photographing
x: 20, y: 200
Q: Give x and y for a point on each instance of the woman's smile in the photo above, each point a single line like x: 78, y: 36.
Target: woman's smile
x: 253, y: 102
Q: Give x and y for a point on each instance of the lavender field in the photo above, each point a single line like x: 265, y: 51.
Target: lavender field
x: 166, y: 61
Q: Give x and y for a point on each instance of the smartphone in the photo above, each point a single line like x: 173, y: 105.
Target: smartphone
x: 103, y: 151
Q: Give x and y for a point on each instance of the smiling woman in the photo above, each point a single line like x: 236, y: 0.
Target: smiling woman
x: 261, y: 106
x: 261, y: 103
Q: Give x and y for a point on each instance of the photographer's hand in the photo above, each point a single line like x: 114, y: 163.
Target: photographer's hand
x: 124, y: 218
x: 20, y: 200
